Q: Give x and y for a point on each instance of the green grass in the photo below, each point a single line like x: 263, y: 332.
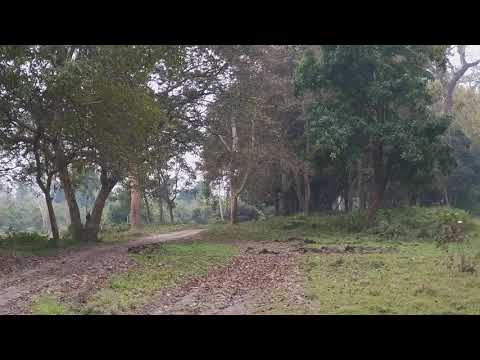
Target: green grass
x: 167, y: 266
x: 276, y: 228
x: 419, y: 277
x: 32, y: 244
x: 400, y: 224
x: 163, y: 268
x: 415, y: 280
x: 49, y: 305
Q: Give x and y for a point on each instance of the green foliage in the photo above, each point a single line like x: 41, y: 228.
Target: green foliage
x: 463, y: 184
x: 116, y: 228
x: 35, y: 244
x: 19, y: 212
x: 118, y: 206
x: 398, y: 224
x: 416, y: 223
x: 376, y: 94
x: 25, y: 243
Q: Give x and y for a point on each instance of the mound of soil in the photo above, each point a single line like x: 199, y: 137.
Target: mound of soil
x: 348, y: 249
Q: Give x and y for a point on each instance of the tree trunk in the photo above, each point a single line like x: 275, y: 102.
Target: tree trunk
x: 363, y: 198
x: 74, y: 212
x: 66, y: 213
x: 233, y: 207
x: 45, y: 187
x: 298, y: 192
x: 53, y: 218
x: 306, y: 175
x: 283, y: 195
x: 445, y: 196
x: 135, y: 203
x: 307, y: 192
x: 349, y: 198
x: 220, y: 206
x: 44, y: 212
x: 92, y: 225
x: 362, y: 193
x: 347, y: 202
x: 147, y: 207
x: 449, y: 98
x: 160, y: 211
x: 412, y: 199
x: 349, y: 206
x: 170, y: 210
x: 378, y: 188
x: 276, y: 202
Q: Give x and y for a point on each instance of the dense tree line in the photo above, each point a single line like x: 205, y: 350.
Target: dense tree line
x: 284, y: 127
x: 345, y: 127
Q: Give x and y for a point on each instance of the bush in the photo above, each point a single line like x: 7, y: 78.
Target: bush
x: 461, y: 262
x: 198, y: 216
x: 116, y: 228
x: 25, y: 241
x: 438, y: 223
x: 354, y: 221
x: 246, y: 213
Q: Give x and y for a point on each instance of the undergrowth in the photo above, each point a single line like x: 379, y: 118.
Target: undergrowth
x: 25, y: 243
x: 50, y: 305
x: 437, y: 224
x: 34, y: 244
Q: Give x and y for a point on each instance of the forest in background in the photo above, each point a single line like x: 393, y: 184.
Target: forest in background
x: 93, y: 136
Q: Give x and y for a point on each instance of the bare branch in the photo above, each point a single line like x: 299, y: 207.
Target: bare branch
x: 224, y: 142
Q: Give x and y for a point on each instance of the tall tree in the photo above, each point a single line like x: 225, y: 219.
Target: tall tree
x: 93, y: 105
x: 451, y: 75
x: 374, y: 99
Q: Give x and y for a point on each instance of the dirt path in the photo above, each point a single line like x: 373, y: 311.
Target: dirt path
x: 71, y: 273
x: 264, y: 276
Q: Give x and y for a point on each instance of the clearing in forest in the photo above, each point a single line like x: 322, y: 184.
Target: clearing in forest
x: 291, y: 265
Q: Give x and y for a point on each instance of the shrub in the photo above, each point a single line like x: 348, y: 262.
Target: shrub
x: 461, y: 263
x: 24, y: 241
x: 354, y: 221
x: 438, y: 223
x: 453, y: 226
x: 116, y: 228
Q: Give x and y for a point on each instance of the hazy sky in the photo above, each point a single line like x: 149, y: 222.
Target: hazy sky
x: 474, y: 50
x: 472, y: 53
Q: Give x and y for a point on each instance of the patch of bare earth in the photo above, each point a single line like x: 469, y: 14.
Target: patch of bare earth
x: 71, y: 275
x: 244, y: 286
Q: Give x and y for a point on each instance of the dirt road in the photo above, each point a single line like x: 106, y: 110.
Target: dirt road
x: 264, y: 276
x: 73, y: 273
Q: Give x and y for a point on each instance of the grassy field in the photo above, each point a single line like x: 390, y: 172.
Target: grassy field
x: 417, y: 275
x: 163, y: 268
x: 419, y: 278
x: 167, y: 266
x: 428, y: 263
x: 412, y: 282
x: 26, y: 244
